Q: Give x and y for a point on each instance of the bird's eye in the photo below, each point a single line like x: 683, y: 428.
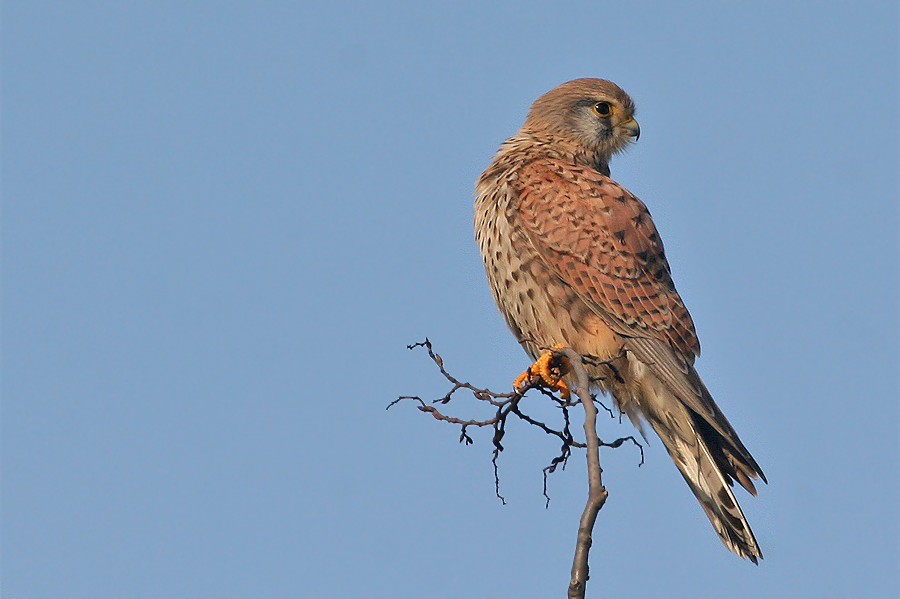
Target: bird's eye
x: 603, y: 108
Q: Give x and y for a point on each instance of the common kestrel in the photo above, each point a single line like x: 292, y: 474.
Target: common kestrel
x: 574, y: 259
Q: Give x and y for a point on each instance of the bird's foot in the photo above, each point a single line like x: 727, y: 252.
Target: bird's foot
x: 547, y: 371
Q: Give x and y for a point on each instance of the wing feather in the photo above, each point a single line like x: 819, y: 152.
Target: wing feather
x: 599, y: 238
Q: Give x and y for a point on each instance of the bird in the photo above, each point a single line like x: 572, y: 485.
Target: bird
x: 573, y: 259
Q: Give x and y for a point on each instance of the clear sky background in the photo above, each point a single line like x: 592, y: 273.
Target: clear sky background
x: 224, y: 221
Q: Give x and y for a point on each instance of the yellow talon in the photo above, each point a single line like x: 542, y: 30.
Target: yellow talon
x: 522, y: 379
x: 547, y: 371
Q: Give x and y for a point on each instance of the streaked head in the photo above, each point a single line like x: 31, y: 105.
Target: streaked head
x: 594, y: 115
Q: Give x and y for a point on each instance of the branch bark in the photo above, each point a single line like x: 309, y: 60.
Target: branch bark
x: 596, y: 491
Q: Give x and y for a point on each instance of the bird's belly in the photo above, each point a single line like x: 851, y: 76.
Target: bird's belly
x: 540, y: 308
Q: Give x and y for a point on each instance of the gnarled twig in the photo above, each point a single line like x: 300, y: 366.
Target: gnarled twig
x: 510, y: 403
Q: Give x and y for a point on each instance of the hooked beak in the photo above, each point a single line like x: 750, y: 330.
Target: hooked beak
x: 632, y: 129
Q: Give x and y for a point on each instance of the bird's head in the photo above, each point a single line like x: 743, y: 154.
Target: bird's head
x: 594, y: 117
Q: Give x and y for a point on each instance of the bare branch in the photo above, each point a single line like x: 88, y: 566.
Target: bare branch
x: 566, y: 362
x: 506, y: 404
x: 596, y: 491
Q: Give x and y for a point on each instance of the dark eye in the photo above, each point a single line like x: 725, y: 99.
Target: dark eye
x: 603, y: 108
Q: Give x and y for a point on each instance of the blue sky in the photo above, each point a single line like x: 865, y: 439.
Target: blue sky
x: 223, y: 222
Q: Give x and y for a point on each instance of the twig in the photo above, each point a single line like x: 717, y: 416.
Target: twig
x: 505, y: 404
x: 596, y: 491
x: 510, y: 403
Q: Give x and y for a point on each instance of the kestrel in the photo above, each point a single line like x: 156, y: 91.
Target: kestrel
x: 574, y: 259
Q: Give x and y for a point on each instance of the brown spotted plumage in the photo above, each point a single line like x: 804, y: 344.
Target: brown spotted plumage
x: 574, y: 258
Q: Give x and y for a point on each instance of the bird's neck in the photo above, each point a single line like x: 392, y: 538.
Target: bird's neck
x: 533, y: 144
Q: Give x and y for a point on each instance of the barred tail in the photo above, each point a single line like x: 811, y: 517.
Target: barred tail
x: 709, y: 461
